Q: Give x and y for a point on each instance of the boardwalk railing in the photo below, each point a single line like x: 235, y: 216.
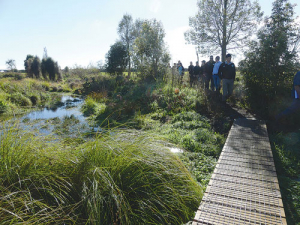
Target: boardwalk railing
x: 244, y: 187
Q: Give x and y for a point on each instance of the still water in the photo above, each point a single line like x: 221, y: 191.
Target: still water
x: 63, y: 119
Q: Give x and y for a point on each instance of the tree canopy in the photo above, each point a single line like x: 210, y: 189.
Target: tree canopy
x: 271, y: 62
x: 116, y: 58
x: 126, y: 32
x: 149, y: 47
x: 223, y: 25
x: 142, y: 45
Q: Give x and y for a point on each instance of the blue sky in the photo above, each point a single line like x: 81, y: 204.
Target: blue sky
x: 81, y: 31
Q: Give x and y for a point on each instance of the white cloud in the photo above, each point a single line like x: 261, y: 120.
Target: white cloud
x: 155, y: 6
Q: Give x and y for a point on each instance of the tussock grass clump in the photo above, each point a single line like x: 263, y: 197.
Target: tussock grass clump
x: 134, y: 180
x: 122, y: 178
x: 33, y: 183
x: 92, y: 107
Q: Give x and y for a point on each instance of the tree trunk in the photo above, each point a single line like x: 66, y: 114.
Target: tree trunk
x: 224, y: 44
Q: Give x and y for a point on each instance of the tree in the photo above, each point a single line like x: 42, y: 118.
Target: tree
x: 11, y: 64
x: 270, y: 65
x: 49, y: 68
x: 36, y: 66
x: 126, y: 32
x: 27, y: 64
x: 223, y: 25
x: 116, y: 58
x: 45, y: 56
x: 149, y: 48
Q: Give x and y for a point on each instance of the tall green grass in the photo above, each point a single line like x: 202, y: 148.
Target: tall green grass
x: 121, y: 178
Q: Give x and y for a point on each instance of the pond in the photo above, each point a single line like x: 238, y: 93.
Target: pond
x: 64, y: 118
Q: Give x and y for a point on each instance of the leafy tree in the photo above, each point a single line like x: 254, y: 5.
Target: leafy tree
x: 149, y: 47
x: 222, y: 25
x: 50, y: 69
x: 116, y: 58
x: 27, y: 64
x: 11, y: 64
x: 270, y: 65
x: 36, y: 66
x: 126, y: 32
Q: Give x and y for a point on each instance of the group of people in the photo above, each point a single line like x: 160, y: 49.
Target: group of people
x: 210, y: 74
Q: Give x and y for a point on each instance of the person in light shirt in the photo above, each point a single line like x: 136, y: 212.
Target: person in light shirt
x: 216, y: 77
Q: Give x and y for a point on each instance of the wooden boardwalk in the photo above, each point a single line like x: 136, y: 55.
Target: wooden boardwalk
x: 244, y: 187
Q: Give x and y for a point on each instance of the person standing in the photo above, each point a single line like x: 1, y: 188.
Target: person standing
x: 216, y: 77
x: 202, y: 75
x: 227, y: 73
x: 181, y: 73
x: 191, y: 73
x: 208, y: 70
x: 197, y: 71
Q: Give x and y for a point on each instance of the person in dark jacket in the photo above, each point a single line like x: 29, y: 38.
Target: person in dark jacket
x: 202, y: 76
x: 227, y: 74
x: 208, y: 71
x: 191, y: 73
x: 197, y: 70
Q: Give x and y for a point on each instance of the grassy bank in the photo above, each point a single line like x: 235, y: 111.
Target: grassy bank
x: 19, y: 94
x: 124, y: 178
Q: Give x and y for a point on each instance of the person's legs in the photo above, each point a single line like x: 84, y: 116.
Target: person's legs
x: 207, y: 78
x: 230, y: 87
x: 225, y: 89
x: 212, y: 84
x: 217, y: 82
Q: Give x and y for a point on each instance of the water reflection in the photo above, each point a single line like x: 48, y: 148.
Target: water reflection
x: 62, y: 119
x: 66, y: 107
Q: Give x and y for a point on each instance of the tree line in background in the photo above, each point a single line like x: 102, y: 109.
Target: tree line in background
x: 47, y: 68
x: 141, y: 46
